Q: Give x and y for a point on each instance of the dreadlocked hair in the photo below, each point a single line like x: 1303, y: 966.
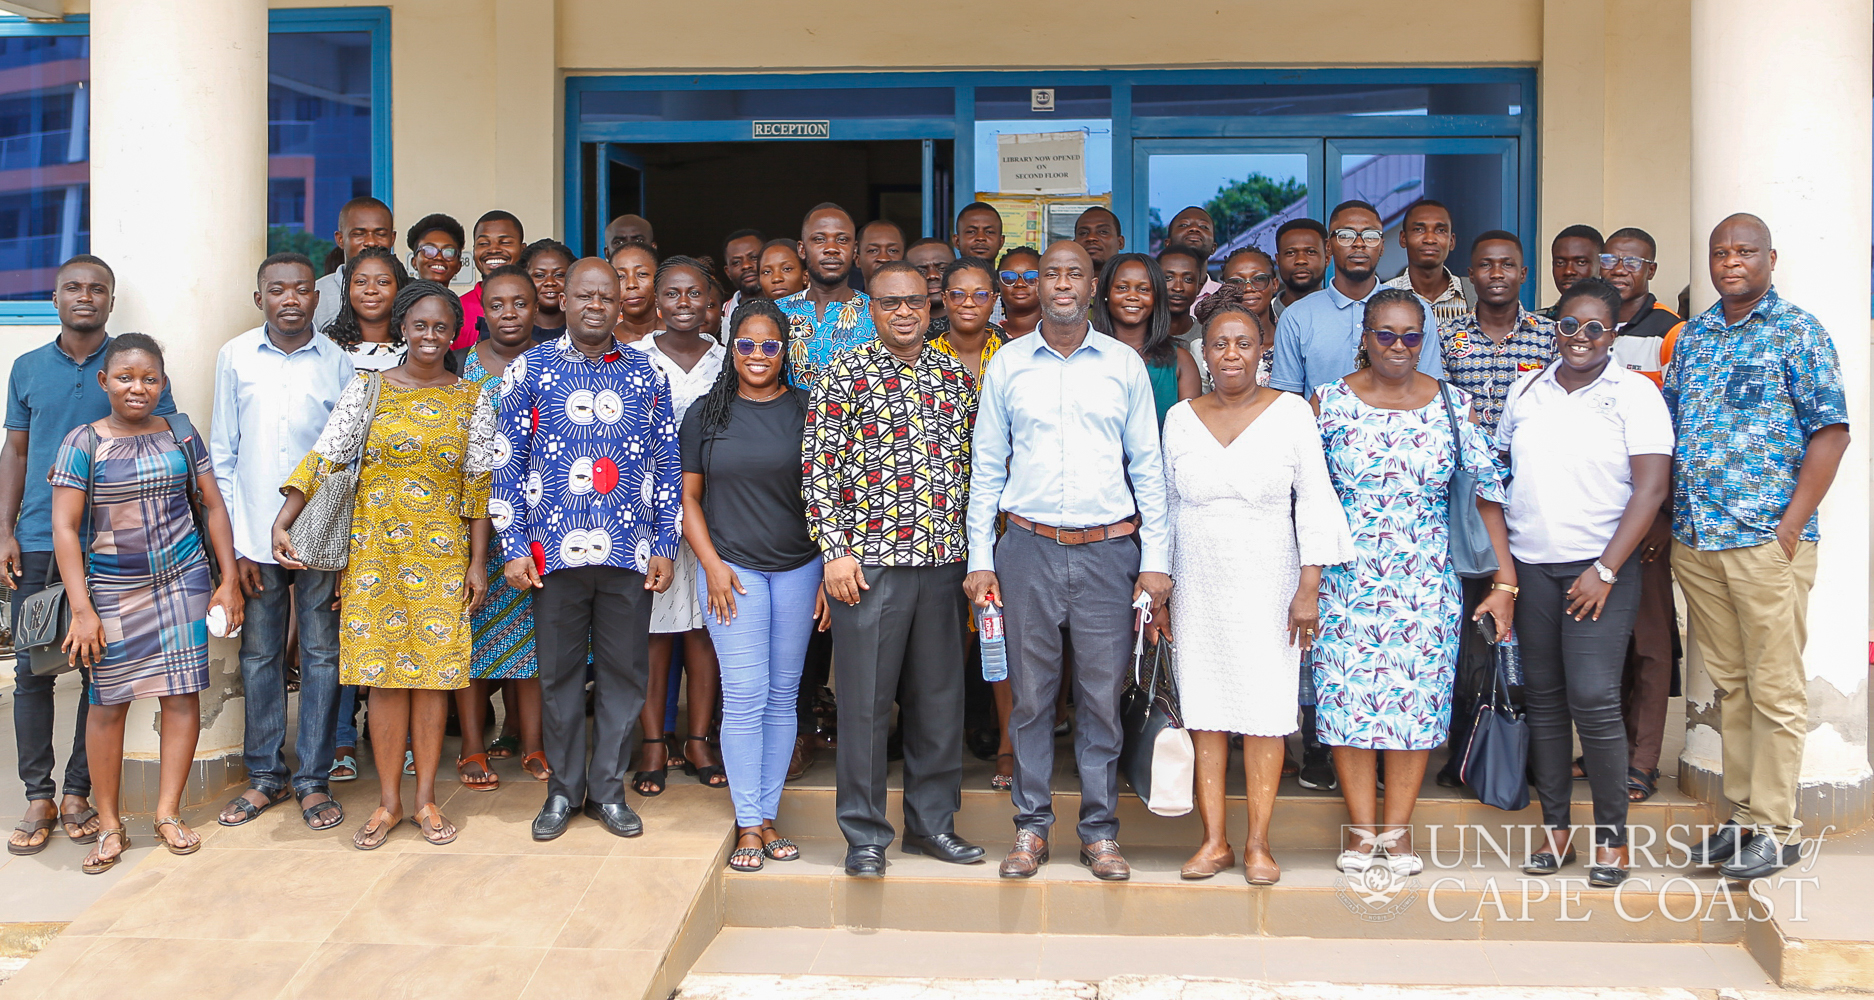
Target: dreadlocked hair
x: 721, y: 398
x: 345, y: 330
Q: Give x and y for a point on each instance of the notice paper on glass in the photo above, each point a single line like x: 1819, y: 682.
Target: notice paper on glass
x: 1042, y: 163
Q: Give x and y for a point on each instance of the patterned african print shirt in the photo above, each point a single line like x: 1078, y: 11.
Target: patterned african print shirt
x: 1745, y: 398
x: 888, y: 458
x: 816, y: 340
x: 1451, y: 305
x: 588, y: 469
x: 1487, y: 370
x: 996, y: 339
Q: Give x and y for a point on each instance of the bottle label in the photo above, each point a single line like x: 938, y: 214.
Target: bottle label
x: 989, y: 626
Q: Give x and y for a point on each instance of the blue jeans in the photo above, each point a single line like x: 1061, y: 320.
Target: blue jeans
x: 263, y: 677
x: 347, y: 735
x: 34, y: 706
x: 761, y: 653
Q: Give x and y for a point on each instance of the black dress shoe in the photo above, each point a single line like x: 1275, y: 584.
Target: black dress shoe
x: 1761, y: 856
x: 553, y: 817
x: 1546, y: 863
x: 1718, y: 848
x: 866, y: 861
x: 616, y: 817
x: 944, y: 847
x: 1448, y: 778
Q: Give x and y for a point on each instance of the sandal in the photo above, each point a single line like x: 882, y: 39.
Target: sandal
x: 536, y: 764
x: 344, y: 769
x: 79, y: 819
x: 372, y: 834
x: 409, y: 762
x: 488, y: 780
x: 1641, y: 784
x: 504, y: 747
x: 673, y: 751
x: 33, y: 828
x: 98, y: 864
x: 651, y: 784
x: 442, y: 833
x: 247, y: 809
x: 312, y: 812
x: 1002, y: 782
x: 1579, y: 771
x: 780, y: 848
x: 746, y: 859
x: 706, y: 775
x: 176, y: 821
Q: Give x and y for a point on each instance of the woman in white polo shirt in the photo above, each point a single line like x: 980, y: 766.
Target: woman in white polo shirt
x: 1589, y: 446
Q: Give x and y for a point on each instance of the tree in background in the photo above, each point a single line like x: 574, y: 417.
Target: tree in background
x: 281, y: 239
x: 1242, y: 204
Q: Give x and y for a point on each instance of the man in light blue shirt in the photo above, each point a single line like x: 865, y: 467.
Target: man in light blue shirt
x: 1317, y: 337
x: 274, y: 389
x: 1066, y: 444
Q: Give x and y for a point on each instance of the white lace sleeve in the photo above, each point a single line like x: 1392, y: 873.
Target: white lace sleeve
x: 346, y: 427
x: 1321, y: 531
x: 483, y: 450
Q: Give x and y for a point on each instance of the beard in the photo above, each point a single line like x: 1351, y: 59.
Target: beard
x: 1075, y: 314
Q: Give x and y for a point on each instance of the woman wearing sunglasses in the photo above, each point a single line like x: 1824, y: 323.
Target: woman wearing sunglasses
x: 1590, y: 450
x: 744, y: 517
x: 1018, y: 280
x: 1387, y: 653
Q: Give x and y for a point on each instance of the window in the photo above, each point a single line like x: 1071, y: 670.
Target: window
x: 319, y: 118
x: 45, y: 171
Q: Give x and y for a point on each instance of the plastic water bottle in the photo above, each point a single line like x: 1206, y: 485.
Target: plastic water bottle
x: 995, y: 643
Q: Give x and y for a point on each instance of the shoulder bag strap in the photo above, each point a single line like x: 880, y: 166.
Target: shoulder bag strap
x: 1457, y: 443
x: 375, y: 382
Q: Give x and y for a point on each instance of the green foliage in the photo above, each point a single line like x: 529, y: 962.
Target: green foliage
x: 281, y: 239
x: 1241, y: 204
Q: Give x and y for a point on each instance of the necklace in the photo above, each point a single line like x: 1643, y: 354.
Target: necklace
x: 764, y: 399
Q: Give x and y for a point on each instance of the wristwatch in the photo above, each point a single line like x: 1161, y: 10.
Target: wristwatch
x: 1606, y: 575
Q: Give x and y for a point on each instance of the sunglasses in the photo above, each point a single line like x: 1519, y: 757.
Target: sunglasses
x: 1568, y: 326
x: 893, y: 303
x: 961, y: 295
x: 1254, y: 281
x: 746, y: 348
x: 1027, y: 277
x: 1387, y: 338
x: 432, y: 251
x: 1371, y: 237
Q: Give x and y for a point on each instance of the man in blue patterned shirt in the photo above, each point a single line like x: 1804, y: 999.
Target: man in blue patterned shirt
x: 829, y: 316
x: 586, y: 501
x: 1756, y: 396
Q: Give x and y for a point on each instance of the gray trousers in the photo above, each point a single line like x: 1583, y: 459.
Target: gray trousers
x: 1050, y: 592
x: 902, y: 641
x: 610, y: 605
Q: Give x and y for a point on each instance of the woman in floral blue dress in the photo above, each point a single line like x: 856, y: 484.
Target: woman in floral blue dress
x: 1385, y: 660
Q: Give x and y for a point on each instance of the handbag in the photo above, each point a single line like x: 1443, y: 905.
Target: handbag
x: 1156, y: 756
x: 45, y: 617
x: 1496, y: 756
x: 321, y: 535
x: 1472, y: 554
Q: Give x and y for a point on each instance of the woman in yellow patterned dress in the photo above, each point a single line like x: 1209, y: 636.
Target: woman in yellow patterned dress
x: 419, y: 537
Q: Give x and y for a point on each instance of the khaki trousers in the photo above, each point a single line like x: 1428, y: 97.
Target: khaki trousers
x: 1748, y: 608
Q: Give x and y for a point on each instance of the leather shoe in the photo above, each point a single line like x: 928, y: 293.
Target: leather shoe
x: 553, y: 817
x: 1103, y: 858
x: 944, y: 847
x: 1448, y: 778
x: 616, y: 817
x: 1026, y: 857
x: 1761, y: 856
x: 865, y: 861
x: 1718, y: 848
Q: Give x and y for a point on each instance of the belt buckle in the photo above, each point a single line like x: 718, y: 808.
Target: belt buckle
x: 1058, y: 539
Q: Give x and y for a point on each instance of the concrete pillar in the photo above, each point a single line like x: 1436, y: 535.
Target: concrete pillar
x: 1781, y: 127
x: 178, y: 208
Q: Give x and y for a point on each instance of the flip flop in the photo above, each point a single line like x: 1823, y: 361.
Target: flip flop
x: 369, y: 838
x: 248, y: 810
x: 175, y: 821
x: 79, y: 819
x: 433, y: 834
x: 489, y: 780
x: 103, y: 865
x: 31, y: 828
x: 539, y: 757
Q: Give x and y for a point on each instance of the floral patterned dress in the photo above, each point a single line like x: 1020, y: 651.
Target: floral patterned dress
x: 1390, y: 619
x: 504, y: 625
x: 428, y: 465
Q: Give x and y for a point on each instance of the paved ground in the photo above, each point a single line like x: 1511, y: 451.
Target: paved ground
x: 712, y: 987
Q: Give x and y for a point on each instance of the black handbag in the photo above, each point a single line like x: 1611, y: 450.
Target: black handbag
x: 1155, y: 742
x: 1472, y: 554
x: 1496, y: 757
x: 45, y: 617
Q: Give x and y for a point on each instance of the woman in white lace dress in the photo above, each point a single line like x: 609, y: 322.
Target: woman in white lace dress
x: 1253, y: 520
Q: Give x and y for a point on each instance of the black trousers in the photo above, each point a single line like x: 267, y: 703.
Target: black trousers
x: 903, y: 641
x: 34, y: 707
x: 1572, y: 672
x: 611, y: 606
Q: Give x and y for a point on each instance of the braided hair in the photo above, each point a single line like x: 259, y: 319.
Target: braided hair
x: 345, y: 330
x: 719, y: 403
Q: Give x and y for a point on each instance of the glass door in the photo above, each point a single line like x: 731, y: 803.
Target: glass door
x: 1474, y: 177
x: 1249, y: 187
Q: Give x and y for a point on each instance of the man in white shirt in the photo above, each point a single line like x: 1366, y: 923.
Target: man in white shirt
x: 1066, y: 444
x: 362, y: 222
x: 274, y: 389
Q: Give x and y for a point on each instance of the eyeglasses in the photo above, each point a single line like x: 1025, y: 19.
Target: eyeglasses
x: 1027, y: 277
x: 746, y: 348
x: 1387, y: 338
x: 893, y: 303
x: 432, y: 251
x: 1608, y: 262
x: 1568, y: 326
x: 1371, y: 237
x: 1254, y: 282
x: 958, y: 296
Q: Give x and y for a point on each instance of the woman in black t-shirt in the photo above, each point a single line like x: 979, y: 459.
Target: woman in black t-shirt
x: 744, y: 517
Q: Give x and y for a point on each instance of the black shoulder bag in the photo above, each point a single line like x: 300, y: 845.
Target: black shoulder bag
x: 45, y: 617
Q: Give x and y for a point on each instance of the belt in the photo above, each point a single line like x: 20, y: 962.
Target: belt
x: 1077, y: 536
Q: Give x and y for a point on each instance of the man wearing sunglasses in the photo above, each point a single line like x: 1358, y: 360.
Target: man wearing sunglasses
x: 888, y: 446
x: 1316, y: 338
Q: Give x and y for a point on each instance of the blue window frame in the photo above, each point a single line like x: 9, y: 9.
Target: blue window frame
x: 329, y: 138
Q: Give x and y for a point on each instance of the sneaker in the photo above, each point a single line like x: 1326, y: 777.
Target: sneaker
x: 1353, y: 862
x: 1405, y: 865
x: 1317, y: 772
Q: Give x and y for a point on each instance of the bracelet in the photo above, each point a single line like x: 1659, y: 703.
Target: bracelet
x: 1511, y: 589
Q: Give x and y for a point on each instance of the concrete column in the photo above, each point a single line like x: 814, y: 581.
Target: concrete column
x: 178, y: 208
x: 527, y: 148
x: 1781, y: 127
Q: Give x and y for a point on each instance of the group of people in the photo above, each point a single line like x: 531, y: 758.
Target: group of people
x: 829, y: 456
